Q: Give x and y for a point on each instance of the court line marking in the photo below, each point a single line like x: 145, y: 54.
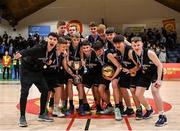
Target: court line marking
x: 87, y: 125
x: 9, y: 83
x: 127, y: 123
x: 71, y: 123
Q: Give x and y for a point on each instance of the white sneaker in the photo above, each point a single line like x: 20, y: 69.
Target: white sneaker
x: 56, y: 112
x: 117, y: 114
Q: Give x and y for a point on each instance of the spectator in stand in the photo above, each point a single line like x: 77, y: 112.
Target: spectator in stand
x: 1, y: 40
x: 30, y: 41
x: 36, y: 39
x: 162, y: 54
x: 158, y: 50
x: 16, y: 68
x: 164, y: 32
x: 6, y: 63
x: 5, y: 37
x: 162, y: 40
x: 11, y: 50
x: 178, y: 59
x: 2, y: 47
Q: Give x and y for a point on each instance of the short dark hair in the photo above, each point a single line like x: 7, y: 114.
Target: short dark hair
x: 92, y: 24
x: 110, y: 30
x: 61, y: 40
x: 118, y: 38
x: 85, y: 43
x: 136, y: 39
x: 53, y: 34
x: 98, y: 45
x: 60, y: 23
x: 66, y: 37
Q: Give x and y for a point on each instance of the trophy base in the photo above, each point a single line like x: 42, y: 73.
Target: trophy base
x: 77, y: 79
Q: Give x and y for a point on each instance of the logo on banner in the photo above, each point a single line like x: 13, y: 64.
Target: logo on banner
x: 169, y: 25
x: 77, y: 23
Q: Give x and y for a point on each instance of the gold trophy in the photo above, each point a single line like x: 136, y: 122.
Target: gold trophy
x: 108, y: 71
x: 76, y: 66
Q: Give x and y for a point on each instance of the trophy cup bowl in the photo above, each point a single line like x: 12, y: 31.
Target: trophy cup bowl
x: 76, y: 66
x: 108, y: 71
x: 77, y: 79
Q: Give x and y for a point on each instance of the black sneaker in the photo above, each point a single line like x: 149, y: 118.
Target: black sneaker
x: 45, y: 118
x: 128, y: 112
x: 70, y: 110
x: 98, y: 109
x: 121, y: 107
x: 86, y: 107
x: 148, y: 114
x: 81, y: 111
x: 64, y: 109
x: 161, y: 121
x: 139, y: 114
x: 22, y: 122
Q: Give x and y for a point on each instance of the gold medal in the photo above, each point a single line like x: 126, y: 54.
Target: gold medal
x: 45, y: 66
x: 133, y: 74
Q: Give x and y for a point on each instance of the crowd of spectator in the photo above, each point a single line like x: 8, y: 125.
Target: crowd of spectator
x: 8, y: 47
x: 12, y: 45
x: 158, y: 40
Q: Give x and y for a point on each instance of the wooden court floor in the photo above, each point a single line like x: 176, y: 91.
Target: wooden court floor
x: 9, y: 113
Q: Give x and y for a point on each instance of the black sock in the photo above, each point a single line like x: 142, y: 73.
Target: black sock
x: 98, y: 106
x: 109, y: 105
x: 121, y: 106
x: 65, y: 103
x: 80, y: 102
x: 117, y: 105
x: 71, y: 102
x: 139, y: 108
x: 85, y: 104
x: 121, y: 103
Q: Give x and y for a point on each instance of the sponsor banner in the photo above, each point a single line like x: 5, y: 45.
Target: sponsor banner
x: 169, y: 25
x: 171, y: 71
x: 41, y: 30
x: 133, y: 28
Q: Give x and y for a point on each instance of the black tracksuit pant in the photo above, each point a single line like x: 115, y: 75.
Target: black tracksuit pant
x: 27, y: 79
